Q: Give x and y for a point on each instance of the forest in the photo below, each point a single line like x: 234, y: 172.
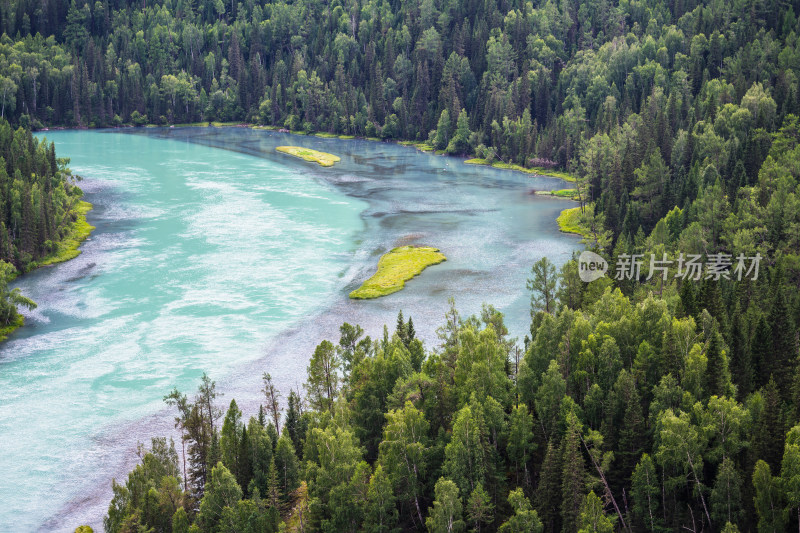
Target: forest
x: 646, y: 403
x: 38, y: 209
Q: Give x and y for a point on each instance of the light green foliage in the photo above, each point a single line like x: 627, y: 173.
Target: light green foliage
x: 520, y: 439
x: 395, y: 268
x: 323, y: 376
x: 726, y: 496
x: 465, y: 454
x: 542, y: 285
x: 221, y: 496
x: 446, y: 512
x: 308, y: 154
x: 593, y: 519
x: 549, y: 397
x: 525, y: 519
x: 790, y: 472
x: 768, y: 499
x: 381, y: 512
x: 403, y: 453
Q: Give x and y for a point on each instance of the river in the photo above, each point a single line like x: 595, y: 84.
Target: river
x: 213, y: 252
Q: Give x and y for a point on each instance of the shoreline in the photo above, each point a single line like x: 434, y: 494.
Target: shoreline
x: 422, y: 146
x: 563, y: 220
x: 66, y: 249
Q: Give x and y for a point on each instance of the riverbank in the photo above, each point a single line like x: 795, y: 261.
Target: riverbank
x: 65, y: 250
x: 570, y: 221
x: 419, y: 145
x: 539, y: 171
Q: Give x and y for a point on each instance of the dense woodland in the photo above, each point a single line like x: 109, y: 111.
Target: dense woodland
x: 633, y: 405
x: 37, y: 201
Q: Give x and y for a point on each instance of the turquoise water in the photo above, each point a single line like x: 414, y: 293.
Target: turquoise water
x: 215, y: 253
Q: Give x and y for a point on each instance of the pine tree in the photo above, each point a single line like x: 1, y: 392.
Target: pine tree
x: 632, y: 433
x: 229, y: 438
x: 768, y: 435
x: 573, y: 475
x: 479, y: 508
x: 760, y: 346
x: 323, y: 378
x: 400, y: 329
x: 783, y: 349
x: 272, y: 396
x: 740, y: 361
x: 548, y: 492
x: 293, y: 424
x: 717, y: 381
x: 542, y: 286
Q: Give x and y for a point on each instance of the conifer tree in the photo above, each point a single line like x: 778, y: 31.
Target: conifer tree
x: 548, y: 492
x: 573, y: 476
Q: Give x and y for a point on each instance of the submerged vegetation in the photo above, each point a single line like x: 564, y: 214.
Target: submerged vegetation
x: 307, y: 154
x: 395, y: 268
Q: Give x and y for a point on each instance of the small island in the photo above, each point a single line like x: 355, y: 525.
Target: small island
x: 307, y: 154
x: 395, y: 268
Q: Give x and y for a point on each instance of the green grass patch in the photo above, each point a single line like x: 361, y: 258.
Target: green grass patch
x: 539, y: 171
x: 326, y: 135
x: 570, y: 221
x: 395, y: 268
x: 5, y: 331
x: 347, y: 137
x: 422, y: 146
x: 223, y: 124
x: 566, y: 176
x: 307, y: 154
x: 68, y: 248
x: 569, y: 194
x: 192, y: 125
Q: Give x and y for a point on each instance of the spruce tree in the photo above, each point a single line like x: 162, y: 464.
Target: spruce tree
x: 573, y: 476
x: 548, y: 491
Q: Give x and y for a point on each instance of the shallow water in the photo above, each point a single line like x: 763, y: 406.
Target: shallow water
x: 215, y: 253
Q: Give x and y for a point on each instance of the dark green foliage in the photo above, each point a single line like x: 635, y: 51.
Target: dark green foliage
x: 678, y: 121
